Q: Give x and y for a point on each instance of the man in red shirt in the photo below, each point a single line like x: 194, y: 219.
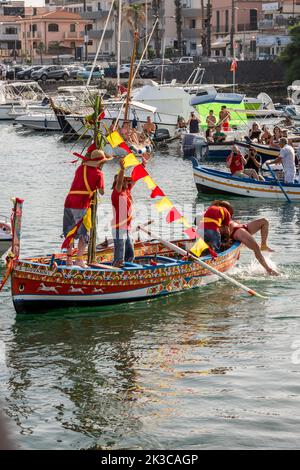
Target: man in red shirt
x: 236, y: 163
x: 121, y: 199
x: 217, y: 216
x: 88, y: 179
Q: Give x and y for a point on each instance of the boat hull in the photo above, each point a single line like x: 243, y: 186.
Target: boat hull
x: 211, y: 181
x: 5, y: 245
x: 42, y: 122
x: 36, y: 288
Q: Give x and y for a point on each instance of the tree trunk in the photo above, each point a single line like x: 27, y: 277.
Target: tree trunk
x: 178, y: 19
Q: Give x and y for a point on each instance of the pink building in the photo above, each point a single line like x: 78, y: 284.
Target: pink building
x: 56, y: 32
x: 246, y: 16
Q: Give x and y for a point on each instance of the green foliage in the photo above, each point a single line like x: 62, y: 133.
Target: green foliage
x: 169, y: 52
x: 290, y: 57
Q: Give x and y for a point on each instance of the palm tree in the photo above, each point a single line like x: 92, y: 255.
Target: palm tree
x: 135, y: 16
x: 157, y: 45
x: 178, y: 20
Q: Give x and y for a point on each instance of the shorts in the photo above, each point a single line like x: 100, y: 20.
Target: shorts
x: 244, y: 226
x: 213, y: 239
x: 71, y: 218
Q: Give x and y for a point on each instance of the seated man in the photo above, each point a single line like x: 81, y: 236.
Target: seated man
x: 219, y: 136
x: 149, y: 127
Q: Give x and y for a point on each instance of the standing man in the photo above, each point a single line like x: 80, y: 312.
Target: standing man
x: 287, y: 158
x: 88, y: 179
x: 211, y: 120
x: 121, y: 199
x: 224, y: 117
x: 193, y: 123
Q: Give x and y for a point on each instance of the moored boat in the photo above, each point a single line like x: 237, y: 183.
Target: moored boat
x: 209, y: 180
x: 5, y: 235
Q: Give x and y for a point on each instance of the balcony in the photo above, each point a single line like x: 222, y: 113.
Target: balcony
x: 191, y: 12
x: 9, y: 37
x: 247, y: 27
x: 33, y: 35
x: 73, y: 35
x: 191, y: 33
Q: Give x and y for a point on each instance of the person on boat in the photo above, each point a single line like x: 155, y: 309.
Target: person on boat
x: 216, y: 216
x: 287, y: 159
x: 255, y: 132
x: 224, y: 116
x: 193, y: 123
x: 209, y: 135
x: 181, y: 127
x: 149, y: 127
x: 125, y: 130
x: 276, y: 136
x: 253, y: 162
x: 88, y: 179
x: 236, y: 163
x: 244, y: 234
x: 211, y: 120
x: 266, y: 136
x: 121, y: 199
x: 219, y: 136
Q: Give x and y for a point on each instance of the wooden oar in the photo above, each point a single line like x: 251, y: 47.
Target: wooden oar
x: 182, y: 252
x: 278, y: 182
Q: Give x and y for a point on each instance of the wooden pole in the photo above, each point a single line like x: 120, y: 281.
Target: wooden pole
x: 130, y: 81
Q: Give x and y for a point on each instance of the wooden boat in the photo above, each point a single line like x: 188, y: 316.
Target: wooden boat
x: 44, y: 283
x: 5, y: 235
x: 209, y: 180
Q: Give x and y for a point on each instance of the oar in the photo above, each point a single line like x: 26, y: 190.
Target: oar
x: 278, y: 182
x: 182, y: 252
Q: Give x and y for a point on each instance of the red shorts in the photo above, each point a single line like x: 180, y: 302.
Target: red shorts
x: 244, y: 226
x: 226, y: 126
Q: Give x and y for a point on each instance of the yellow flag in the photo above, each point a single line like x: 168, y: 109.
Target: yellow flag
x: 131, y: 160
x: 149, y: 182
x: 87, y: 219
x: 199, y: 247
x: 114, y: 139
x: 164, y: 204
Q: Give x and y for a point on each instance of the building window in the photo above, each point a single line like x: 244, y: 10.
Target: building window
x: 106, y: 46
x: 99, y: 6
x: 89, y: 27
x: 34, y: 45
x: 253, y: 20
x: 192, y: 24
x: 218, y: 21
x: 90, y: 43
x: 193, y: 46
x: 73, y: 45
x: 11, y: 31
x: 53, y: 28
x: 226, y: 21
x: 72, y: 28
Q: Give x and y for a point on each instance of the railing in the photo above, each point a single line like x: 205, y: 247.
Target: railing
x: 72, y: 35
x: 192, y: 33
x: 248, y: 27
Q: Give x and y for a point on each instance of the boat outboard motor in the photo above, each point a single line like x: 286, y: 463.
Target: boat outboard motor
x: 194, y: 146
x: 161, y: 135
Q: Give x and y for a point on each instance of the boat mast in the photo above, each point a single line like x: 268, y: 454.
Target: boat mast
x: 16, y: 220
x: 119, y: 45
x: 131, y: 76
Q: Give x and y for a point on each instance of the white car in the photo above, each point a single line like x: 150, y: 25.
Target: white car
x: 125, y: 70
x: 186, y: 60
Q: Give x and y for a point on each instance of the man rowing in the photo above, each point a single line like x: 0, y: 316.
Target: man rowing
x: 287, y: 158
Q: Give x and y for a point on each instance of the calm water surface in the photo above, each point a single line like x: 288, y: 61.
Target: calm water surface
x: 204, y: 369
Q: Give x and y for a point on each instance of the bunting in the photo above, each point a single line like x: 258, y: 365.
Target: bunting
x: 116, y: 141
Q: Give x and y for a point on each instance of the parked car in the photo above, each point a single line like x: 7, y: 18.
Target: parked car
x: 158, y: 70
x: 124, y: 70
x: 84, y: 74
x: 111, y: 70
x: 186, y: 60
x: 25, y: 74
x: 11, y: 72
x: 56, y: 72
x: 74, y: 70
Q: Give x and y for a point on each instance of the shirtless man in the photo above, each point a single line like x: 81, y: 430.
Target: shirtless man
x: 149, y: 126
x: 244, y: 234
x: 224, y: 117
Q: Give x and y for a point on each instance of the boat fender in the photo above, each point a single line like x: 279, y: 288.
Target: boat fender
x: 5, y: 227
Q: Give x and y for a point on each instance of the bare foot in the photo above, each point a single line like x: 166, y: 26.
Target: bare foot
x: 69, y: 261
x: 266, y: 248
x: 81, y: 263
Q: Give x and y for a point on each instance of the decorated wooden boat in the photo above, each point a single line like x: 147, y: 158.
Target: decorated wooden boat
x: 43, y: 283
x: 209, y: 180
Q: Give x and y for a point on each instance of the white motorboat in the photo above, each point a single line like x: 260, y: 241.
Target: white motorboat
x: 5, y: 235
x: 16, y: 97
x: 46, y: 121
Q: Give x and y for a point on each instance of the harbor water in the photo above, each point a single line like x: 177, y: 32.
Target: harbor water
x: 210, y: 368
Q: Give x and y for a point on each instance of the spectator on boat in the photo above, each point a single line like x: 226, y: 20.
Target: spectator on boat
x: 149, y: 127
x: 224, y: 117
x: 253, y: 162
x: 88, y: 179
x: 276, y: 136
x: 287, y: 158
x: 121, y: 199
x: 255, y: 132
x: 114, y: 126
x: 134, y: 123
x: 244, y: 234
x: 193, y: 123
x: 236, y: 163
x: 211, y: 120
x: 266, y: 136
x: 125, y: 130
x: 209, y: 135
x: 216, y: 216
x: 219, y: 136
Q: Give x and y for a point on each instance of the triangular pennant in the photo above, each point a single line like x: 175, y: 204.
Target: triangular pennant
x: 163, y: 205
x: 114, y: 139
x: 191, y: 233
x: 138, y: 173
x: 150, y: 183
x: 157, y: 192
x: 173, y: 215
x: 130, y: 160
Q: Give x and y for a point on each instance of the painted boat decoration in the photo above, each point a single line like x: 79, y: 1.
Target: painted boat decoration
x: 41, y: 284
x: 209, y: 180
